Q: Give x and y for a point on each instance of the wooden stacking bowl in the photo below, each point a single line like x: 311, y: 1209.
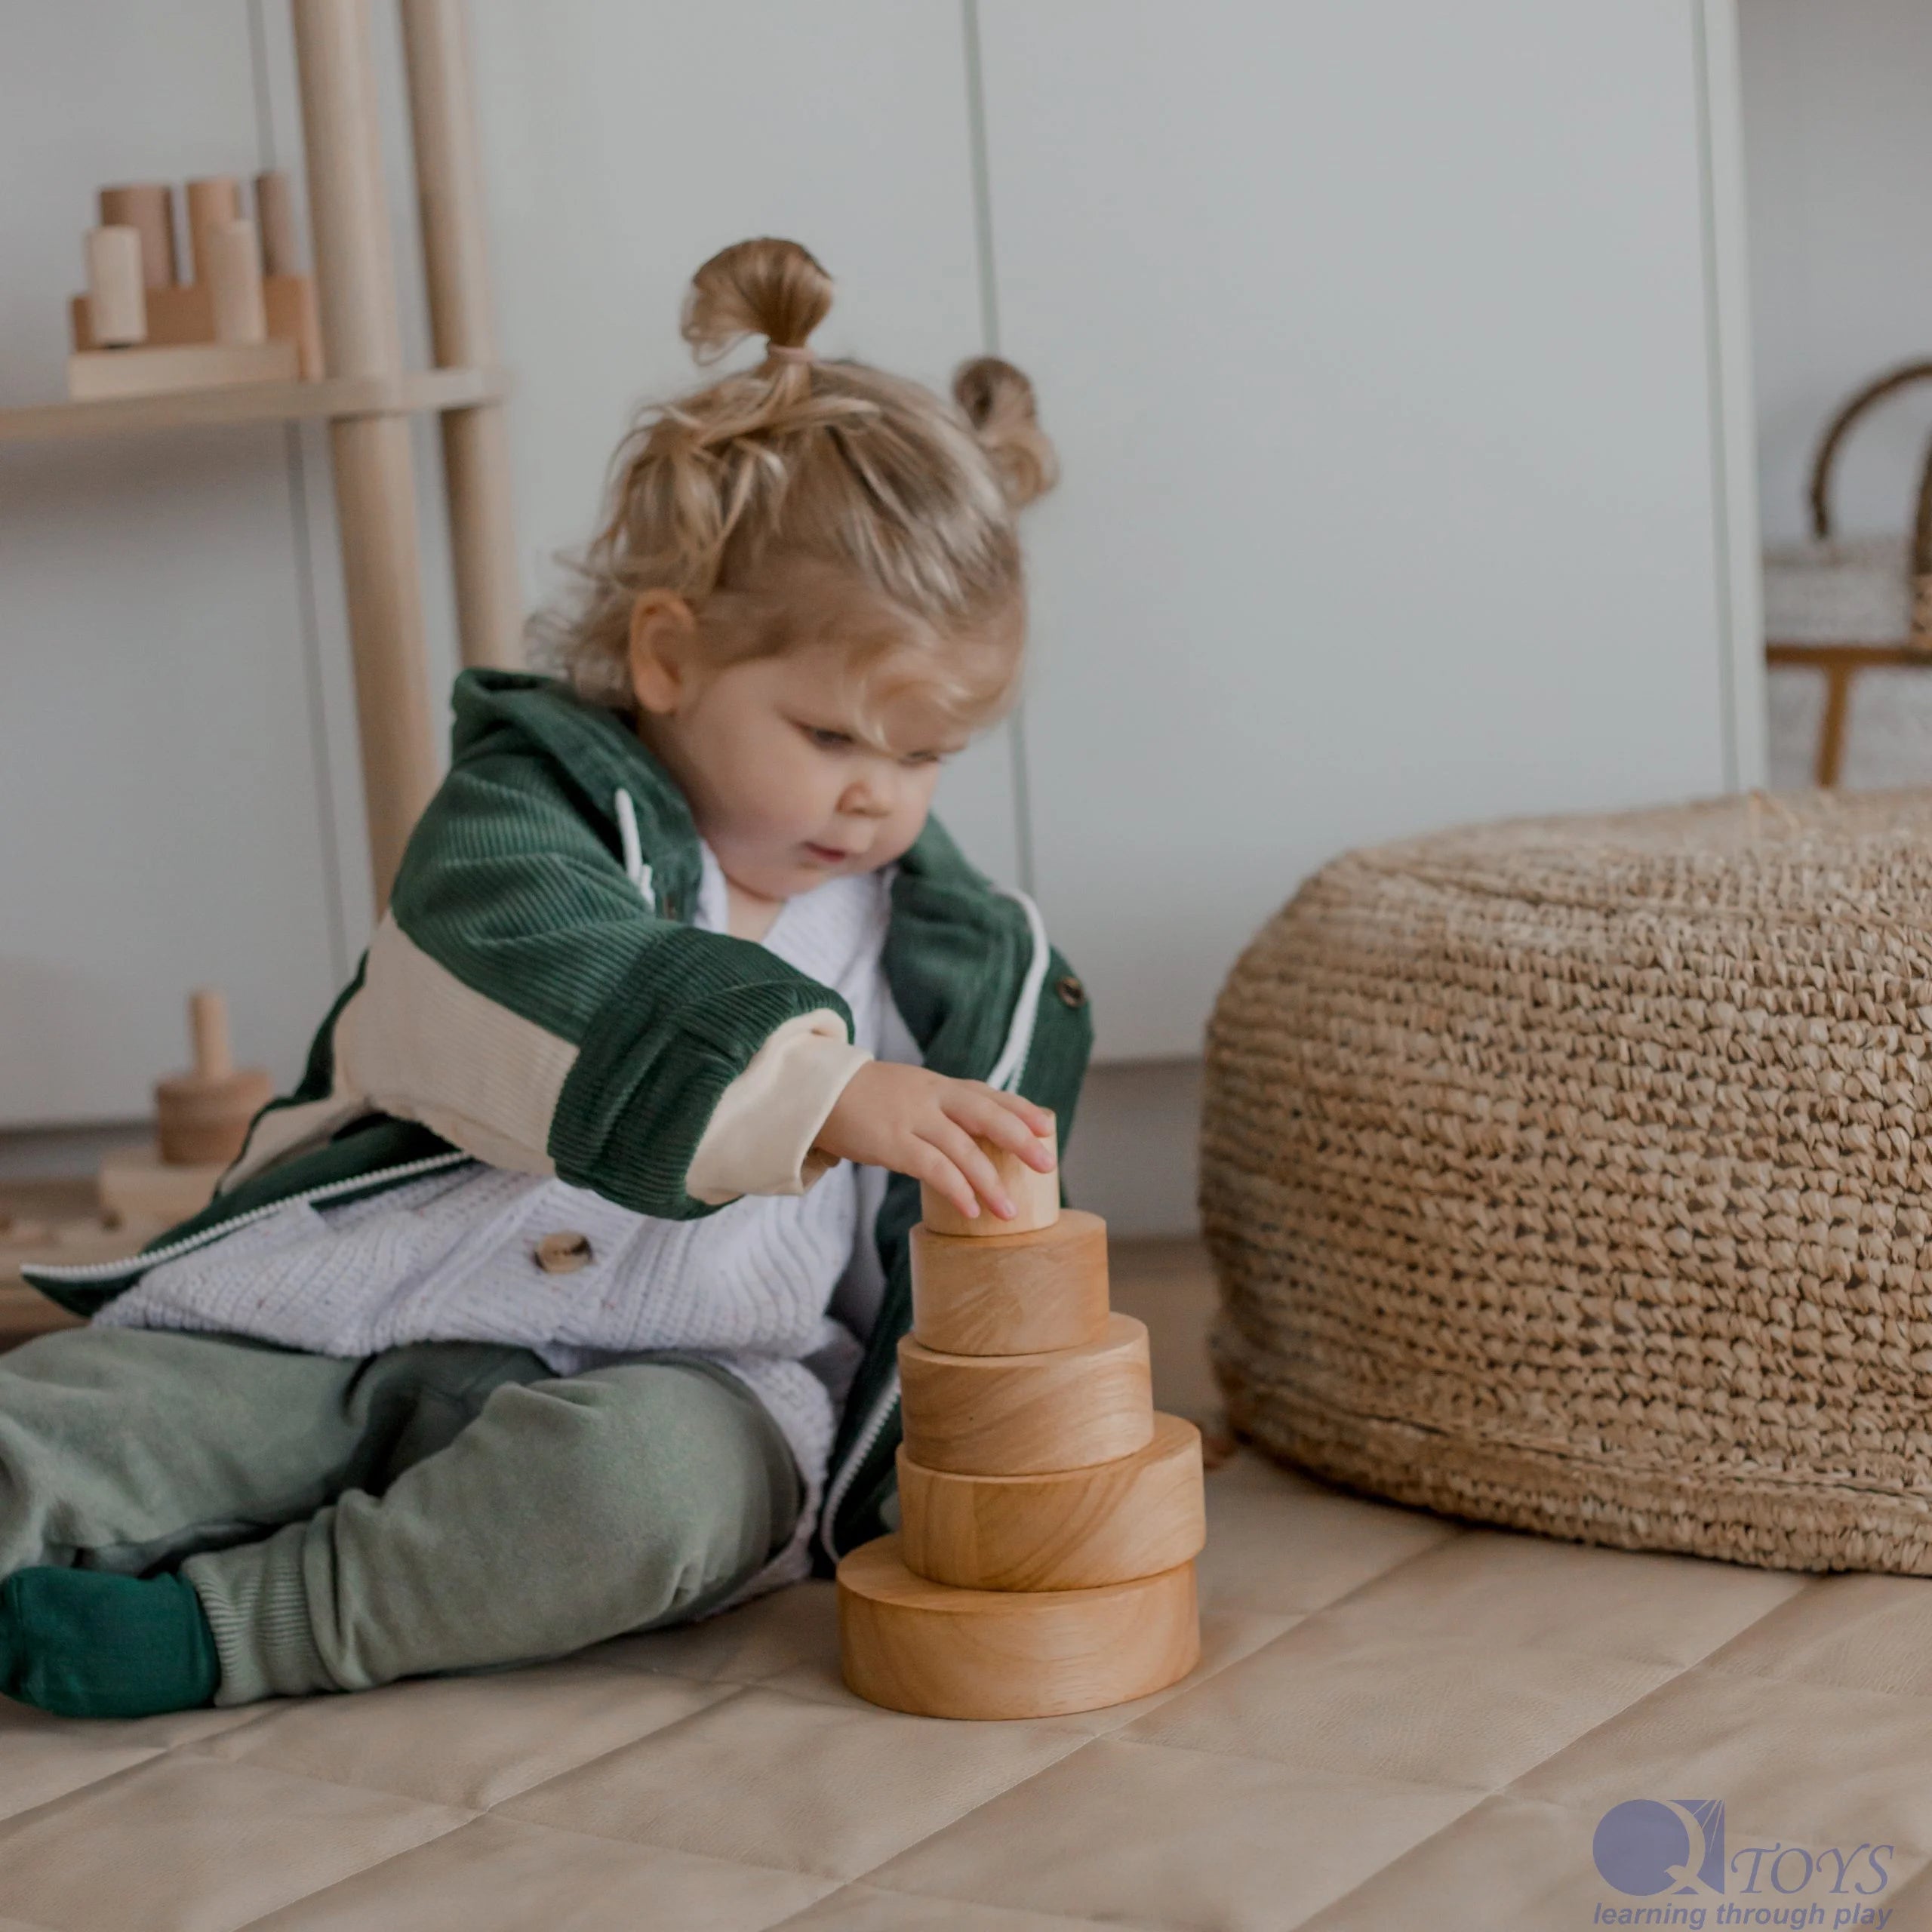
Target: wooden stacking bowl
x: 1071, y: 1530
x: 1022, y: 1415
x: 943, y: 1652
x: 1011, y: 1294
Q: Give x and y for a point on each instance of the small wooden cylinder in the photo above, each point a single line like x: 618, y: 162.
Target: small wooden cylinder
x: 214, y: 199
x: 202, y: 1116
x: 147, y: 206
x: 1019, y: 1415
x: 1036, y: 1197
x: 198, y: 1122
x: 1073, y: 1530
x: 275, y: 215
x: 1011, y: 1294
x: 117, y: 299
x: 235, y: 281
x: 208, y: 1025
x: 943, y: 1652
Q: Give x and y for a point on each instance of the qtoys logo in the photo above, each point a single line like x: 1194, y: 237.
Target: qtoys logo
x: 1672, y: 1850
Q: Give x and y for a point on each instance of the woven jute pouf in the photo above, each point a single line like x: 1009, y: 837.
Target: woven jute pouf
x: 1577, y: 1174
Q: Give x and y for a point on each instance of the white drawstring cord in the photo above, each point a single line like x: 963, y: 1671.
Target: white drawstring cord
x: 1007, y: 1069
x: 635, y: 868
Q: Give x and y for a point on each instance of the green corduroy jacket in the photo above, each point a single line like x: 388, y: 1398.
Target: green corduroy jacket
x: 536, y: 996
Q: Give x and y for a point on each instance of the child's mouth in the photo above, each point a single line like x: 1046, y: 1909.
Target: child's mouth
x: 827, y: 855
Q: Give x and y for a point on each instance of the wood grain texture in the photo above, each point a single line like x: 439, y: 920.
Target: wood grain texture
x: 1069, y: 1530
x: 476, y: 461
x: 1035, y: 1195
x: 213, y: 200
x: 1021, y: 1415
x: 235, y: 282
x: 375, y: 491
x: 418, y: 391
x: 186, y: 314
x: 96, y: 375
x: 148, y: 207
x: 939, y: 1651
x: 1011, y: 1294
x: 274, y: 215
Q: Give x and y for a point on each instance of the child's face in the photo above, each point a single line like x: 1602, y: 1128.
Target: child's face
x: 770, y: 756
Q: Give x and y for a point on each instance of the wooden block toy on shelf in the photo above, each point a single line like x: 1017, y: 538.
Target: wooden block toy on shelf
x: 213, y: 200
x: 235, y: 283
x: 184, y: 317
x: 93, y: 373
x: 1049, y: 1516
x: 275, y: 215
x: 116, y: 298
x: 148, y: 207
x: 246, y: 292
x: 203, y: 1115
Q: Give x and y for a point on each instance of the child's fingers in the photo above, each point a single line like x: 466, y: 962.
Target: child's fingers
x: 1005, y: 1127
x: 965, y: 1153
x: 932, y: 1167
x: 1039, y: 1119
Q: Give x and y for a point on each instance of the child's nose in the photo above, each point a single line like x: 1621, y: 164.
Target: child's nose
x: 865, y: 800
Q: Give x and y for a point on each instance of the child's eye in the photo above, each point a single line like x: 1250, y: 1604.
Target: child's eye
x: 828, y: 740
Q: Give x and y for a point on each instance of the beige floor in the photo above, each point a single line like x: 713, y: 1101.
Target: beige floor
x: 1397, y: 1721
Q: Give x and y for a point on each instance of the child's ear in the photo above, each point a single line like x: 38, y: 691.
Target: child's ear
x: 663, y: 628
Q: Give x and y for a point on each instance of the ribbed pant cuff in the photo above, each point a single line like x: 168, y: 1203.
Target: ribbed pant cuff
x: 257, y: 1605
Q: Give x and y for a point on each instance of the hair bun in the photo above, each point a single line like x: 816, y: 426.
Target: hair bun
x: 766, y: 287
x: 999, y: 403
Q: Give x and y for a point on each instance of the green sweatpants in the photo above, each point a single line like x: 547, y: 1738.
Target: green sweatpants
x: 445, y: 1507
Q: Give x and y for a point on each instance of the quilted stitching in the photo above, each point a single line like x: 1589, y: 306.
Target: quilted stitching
x: 1397, y: 1720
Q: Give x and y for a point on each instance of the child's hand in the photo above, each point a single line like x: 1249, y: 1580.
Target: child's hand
x: 921, y: 1124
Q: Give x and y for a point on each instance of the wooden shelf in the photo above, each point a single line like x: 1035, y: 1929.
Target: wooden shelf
x: 417, y: 393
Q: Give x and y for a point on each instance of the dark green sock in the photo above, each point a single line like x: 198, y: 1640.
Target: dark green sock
x: 89, y: 1644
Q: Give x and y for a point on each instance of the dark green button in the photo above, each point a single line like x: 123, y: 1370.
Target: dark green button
x: 1071, y: 991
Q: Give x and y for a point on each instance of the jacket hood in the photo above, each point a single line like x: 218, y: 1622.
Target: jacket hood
x: 595, y: 751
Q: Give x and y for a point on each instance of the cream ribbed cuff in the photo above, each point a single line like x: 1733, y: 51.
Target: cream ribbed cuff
x: 759, y: 1139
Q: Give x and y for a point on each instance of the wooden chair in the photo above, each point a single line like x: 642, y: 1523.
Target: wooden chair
x: 1840, y: 657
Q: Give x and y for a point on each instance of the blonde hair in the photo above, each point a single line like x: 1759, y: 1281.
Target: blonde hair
x: 874, y: 479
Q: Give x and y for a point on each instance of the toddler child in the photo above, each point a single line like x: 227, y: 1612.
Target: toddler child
x: 560, y: 1297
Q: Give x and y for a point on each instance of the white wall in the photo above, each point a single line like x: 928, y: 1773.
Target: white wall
x: 1379, y: 342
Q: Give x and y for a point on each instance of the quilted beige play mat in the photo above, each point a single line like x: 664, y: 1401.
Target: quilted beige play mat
x: 1396, y: 1723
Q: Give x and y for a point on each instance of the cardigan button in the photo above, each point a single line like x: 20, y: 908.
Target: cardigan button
x: 1072, y: 992
x: 563, y: 1253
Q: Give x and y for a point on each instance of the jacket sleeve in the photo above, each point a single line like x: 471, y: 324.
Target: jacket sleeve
x: 522, y: 1000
